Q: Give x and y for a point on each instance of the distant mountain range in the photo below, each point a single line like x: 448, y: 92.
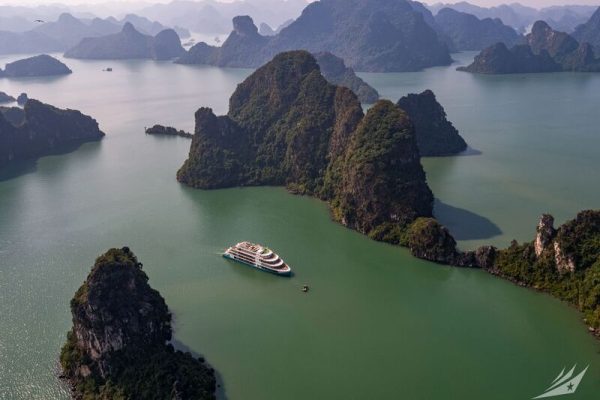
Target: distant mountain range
x: 369, y: 35
x: 67, y: 31
x: 562, y: 18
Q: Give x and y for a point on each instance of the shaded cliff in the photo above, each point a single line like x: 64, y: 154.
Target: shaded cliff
x: 42, y: 65
x: 43, y: 130
x: 467, y: 32
x: 373, y: 35
x: 129, y: 44
x: 436, y: 136
x: 546, y: 50
x: 118, y: 346
x: 336, y: 72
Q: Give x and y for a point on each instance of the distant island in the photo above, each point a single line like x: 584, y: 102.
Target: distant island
x: 129, y: 44
x: 119, y: 345
x: 467, y: 32
x: 167, y: 130
x: 40, y: 129
x: 315, y: 140
x: 589, y: 32
x: 546, y: 50
x: 42, y: 65
x: 369, y: 35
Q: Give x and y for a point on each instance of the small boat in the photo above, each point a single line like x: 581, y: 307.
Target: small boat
x: 107, y: 69
x: 259, y: 257
x: 305, y: 288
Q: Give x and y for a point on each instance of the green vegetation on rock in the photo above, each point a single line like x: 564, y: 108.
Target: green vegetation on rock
x: 118, y: 346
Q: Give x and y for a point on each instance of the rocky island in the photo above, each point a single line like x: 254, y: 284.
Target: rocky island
x: 371, y: 35
x: 546, y: 50
x: 41, y: 129
x: 436, y: 136
x: 167, y: 130
x: 119, y: 345
x: 589, y: 32
x: 129, y: 44
x: 42, y: 65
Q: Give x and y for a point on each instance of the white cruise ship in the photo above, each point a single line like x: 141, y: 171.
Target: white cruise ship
x: 258, y: 256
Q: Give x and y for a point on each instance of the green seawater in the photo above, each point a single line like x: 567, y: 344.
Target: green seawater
x: 377, y: 323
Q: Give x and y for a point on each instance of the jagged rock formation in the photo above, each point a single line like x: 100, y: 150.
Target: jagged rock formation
x: 564, y: 262
x: 436, y: 136
x: 42, y: 65
x: 118, y: 346
x: 43, y: 130
x: 373, y: 35
x: 5, y: 98
x: 168, y: 131
x: 336, y: 72
x: 546, y: 51
x: 129, y: 44
x: 467, y: 32
x: 590, y: 31
x: 288, y: 126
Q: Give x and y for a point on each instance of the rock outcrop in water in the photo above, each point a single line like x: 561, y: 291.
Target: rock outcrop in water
x: 129, y: 44
x: 467, y: 32
x: 336, y: 72
x: 436, y: 136
x: 42, y: 65
x: 168, y: 131
x: 288, y: 126
x: 118, y: 346
x: 546, y: 51
x: 43, y: 130
x: 372, y: 35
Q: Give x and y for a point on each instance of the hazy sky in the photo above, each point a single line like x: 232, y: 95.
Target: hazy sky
x: 532, y: 3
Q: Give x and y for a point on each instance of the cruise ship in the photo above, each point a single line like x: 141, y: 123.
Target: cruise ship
x: 258, y: 256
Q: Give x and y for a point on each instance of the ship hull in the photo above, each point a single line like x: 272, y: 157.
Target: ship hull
x: 260, y: 268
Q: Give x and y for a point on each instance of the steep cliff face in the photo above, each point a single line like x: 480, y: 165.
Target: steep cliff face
x: 279, y: 130
x: 335, y: 71
x: 41, y: 129
x: 436, y: 136
x: 557, y: 44
x: 373, y: 35
x: 382, y: 186
x: 42, y: 65
x: 121, y: 327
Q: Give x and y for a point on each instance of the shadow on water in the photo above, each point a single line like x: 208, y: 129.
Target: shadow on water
x: 464, y: 224
x: 19, y: 168
x: 221, y: 392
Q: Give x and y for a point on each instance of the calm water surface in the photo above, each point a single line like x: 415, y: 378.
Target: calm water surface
x: 377, y: 323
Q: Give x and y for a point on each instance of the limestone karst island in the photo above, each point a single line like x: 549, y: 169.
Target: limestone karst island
x: 299, y: 199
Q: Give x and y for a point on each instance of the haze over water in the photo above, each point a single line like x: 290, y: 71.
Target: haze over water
x: 377, y: 323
